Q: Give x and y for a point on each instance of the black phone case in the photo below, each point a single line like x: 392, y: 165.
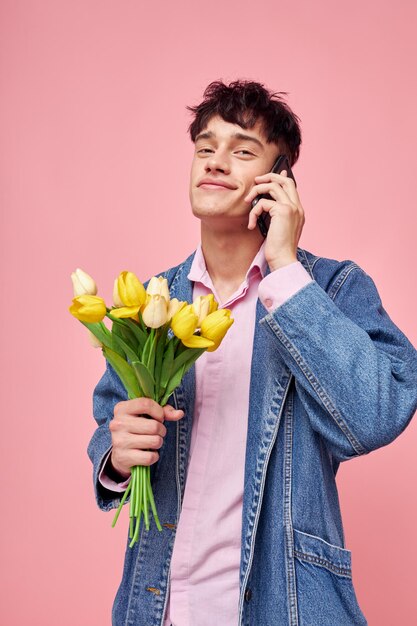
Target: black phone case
x: 264, y: 219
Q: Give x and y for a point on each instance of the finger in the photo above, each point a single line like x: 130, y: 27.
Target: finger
x: 260, y: 207
x: 142, y: 406
x: 136, y: 425
x: 130, y: 458
x: 142, y: 442
x: 172, y: 414
x: 274, y: 190
x: 286, y: 183
x: 256, y: 190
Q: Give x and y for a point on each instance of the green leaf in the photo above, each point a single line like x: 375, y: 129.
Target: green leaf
x: 173, y: 384
x: 140, y: 334
x: 151, y: 356
x: 167, y: 363
x: 190, y: 354
x: 179, y: 368
x: 124, y: 332
x: 125, y: 348
x: 180, y: 347
x: 197, y: 352
x: 145, y: 378
x: 101, y: 332
x: 142, y: 323
x: 125, y: 373
x: 147, y: 348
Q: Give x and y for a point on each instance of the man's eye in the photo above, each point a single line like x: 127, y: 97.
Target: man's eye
x: 204, y: 150
x: 245, y: 151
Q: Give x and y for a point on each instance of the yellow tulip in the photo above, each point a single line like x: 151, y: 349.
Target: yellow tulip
x: 131, y: 290
x: 215, y: 326
x: 174, y: 306
x: 201, y: 307
x: 155, y: 312
x: 116, y: 298
x: 158, y: 286
x: 184, y: 322
x: 88, y: 308
x: 83, y: 283
x: 131, y: 293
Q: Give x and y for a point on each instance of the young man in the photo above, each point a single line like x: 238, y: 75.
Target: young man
x: 313, y: 372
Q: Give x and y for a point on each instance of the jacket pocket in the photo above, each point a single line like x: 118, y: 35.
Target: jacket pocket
x: 325, y: 591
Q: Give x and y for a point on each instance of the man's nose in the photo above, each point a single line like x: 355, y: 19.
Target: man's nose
x: 217, y: 162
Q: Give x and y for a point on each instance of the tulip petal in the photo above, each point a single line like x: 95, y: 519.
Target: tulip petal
x: 196, y: 341
x: 124, y: 311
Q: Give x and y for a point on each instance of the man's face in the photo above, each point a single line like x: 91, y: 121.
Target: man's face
x: 229, y: 157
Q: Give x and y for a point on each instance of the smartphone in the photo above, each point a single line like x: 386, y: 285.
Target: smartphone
x: 264, y: 219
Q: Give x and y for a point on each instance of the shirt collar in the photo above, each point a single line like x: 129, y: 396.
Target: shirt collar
x: 198, y: 266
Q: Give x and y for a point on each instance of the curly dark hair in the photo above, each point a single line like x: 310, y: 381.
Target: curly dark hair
x: 243, y: 102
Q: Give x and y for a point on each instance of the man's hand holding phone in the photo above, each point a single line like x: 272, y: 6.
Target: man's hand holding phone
x: 286, y: 213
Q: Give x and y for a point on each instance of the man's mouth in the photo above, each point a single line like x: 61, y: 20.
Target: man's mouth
x: 210, y: 183
x: 215, y: 187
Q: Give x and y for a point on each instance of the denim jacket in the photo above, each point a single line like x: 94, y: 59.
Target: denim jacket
x: 332, y: 378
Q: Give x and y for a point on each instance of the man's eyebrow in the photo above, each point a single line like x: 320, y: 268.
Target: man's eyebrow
x: 208, y: 134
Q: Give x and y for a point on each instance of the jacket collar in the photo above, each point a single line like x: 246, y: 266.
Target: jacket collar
x: 183, y: 286
x: 199, y: 268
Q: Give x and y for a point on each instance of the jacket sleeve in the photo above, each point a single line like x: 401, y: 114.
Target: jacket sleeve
x: 354, y: 369
x: 107, y: 393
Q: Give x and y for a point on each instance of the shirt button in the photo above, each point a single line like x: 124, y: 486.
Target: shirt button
x: 248, y: 594
x: 268, y: 302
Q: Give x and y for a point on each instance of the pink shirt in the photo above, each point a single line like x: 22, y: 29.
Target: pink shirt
x: 204, y: 585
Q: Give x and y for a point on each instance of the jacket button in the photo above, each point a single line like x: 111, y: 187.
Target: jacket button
x: 248, y: 594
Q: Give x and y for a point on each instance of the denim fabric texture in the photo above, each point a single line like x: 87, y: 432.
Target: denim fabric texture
x: 332, y: 378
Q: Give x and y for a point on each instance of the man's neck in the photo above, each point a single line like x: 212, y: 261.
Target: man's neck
x: 228, y: 255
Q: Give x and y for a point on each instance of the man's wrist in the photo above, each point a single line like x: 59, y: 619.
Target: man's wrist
x: 276, y: 264
x: 112, y: 473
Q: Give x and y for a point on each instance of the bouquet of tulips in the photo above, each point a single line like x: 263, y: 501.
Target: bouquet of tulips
x: 152, y: 343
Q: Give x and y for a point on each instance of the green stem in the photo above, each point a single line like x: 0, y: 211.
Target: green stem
x: 138, y: 509
x: 122, y: 501
x: 132, y: 503
x: 134, y: 495
x: 145, y: 497
x: 152, y: 501
x: 138, y: 491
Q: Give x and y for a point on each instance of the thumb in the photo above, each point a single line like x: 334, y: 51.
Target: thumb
x: 172, y: 414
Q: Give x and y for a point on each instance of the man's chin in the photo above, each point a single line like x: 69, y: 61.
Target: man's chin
x: 216, y: 210
x: 215, y: 214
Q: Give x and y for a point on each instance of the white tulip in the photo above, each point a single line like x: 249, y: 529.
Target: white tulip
x: 83, y: 284
x: 158, y: 286
x: 155, y: 312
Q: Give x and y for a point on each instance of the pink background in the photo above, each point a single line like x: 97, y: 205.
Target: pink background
x: 95, y: 160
